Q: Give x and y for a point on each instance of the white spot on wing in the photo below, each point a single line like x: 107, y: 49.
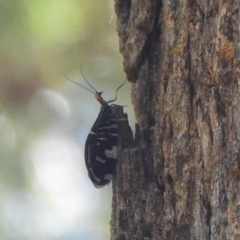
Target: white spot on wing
x: 95, y: 177
x: 89, y: 154
x: 100, y: 160
x: 108, y: 177
x: 111, y: 153
x: 104, y: 128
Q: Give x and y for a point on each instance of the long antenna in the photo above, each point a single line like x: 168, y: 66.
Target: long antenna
x: 87, y: 80
x: 93, y: 87
x: 79, y: 84
x: 117, y: 92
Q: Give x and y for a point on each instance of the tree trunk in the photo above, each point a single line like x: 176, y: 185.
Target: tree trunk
x: 180, y: 177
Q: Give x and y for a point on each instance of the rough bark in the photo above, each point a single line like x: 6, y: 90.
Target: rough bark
x: 180, y: 177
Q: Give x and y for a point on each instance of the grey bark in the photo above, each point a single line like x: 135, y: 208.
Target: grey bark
x: 180, y: 177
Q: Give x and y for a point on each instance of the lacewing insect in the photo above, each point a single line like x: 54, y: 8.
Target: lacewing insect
x: 102, y: 141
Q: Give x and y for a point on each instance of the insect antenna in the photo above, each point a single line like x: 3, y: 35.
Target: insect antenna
x: 117, y: 92
x: 95, y: 91
x: 80, y: 84
x: 87, y: 80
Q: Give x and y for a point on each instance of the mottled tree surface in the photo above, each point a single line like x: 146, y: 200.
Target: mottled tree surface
x: 180, y: 177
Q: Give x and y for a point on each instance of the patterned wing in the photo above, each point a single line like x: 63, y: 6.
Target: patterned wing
x: 101, y: 148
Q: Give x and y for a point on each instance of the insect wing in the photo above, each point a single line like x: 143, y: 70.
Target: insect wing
x: 101, y: 148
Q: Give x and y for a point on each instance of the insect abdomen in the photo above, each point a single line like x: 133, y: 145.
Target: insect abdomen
x: 101, y: 148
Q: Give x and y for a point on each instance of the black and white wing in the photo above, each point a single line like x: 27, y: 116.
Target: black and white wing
x: 101, y: 148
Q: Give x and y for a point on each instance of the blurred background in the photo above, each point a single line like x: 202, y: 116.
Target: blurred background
x: 45, y: 193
